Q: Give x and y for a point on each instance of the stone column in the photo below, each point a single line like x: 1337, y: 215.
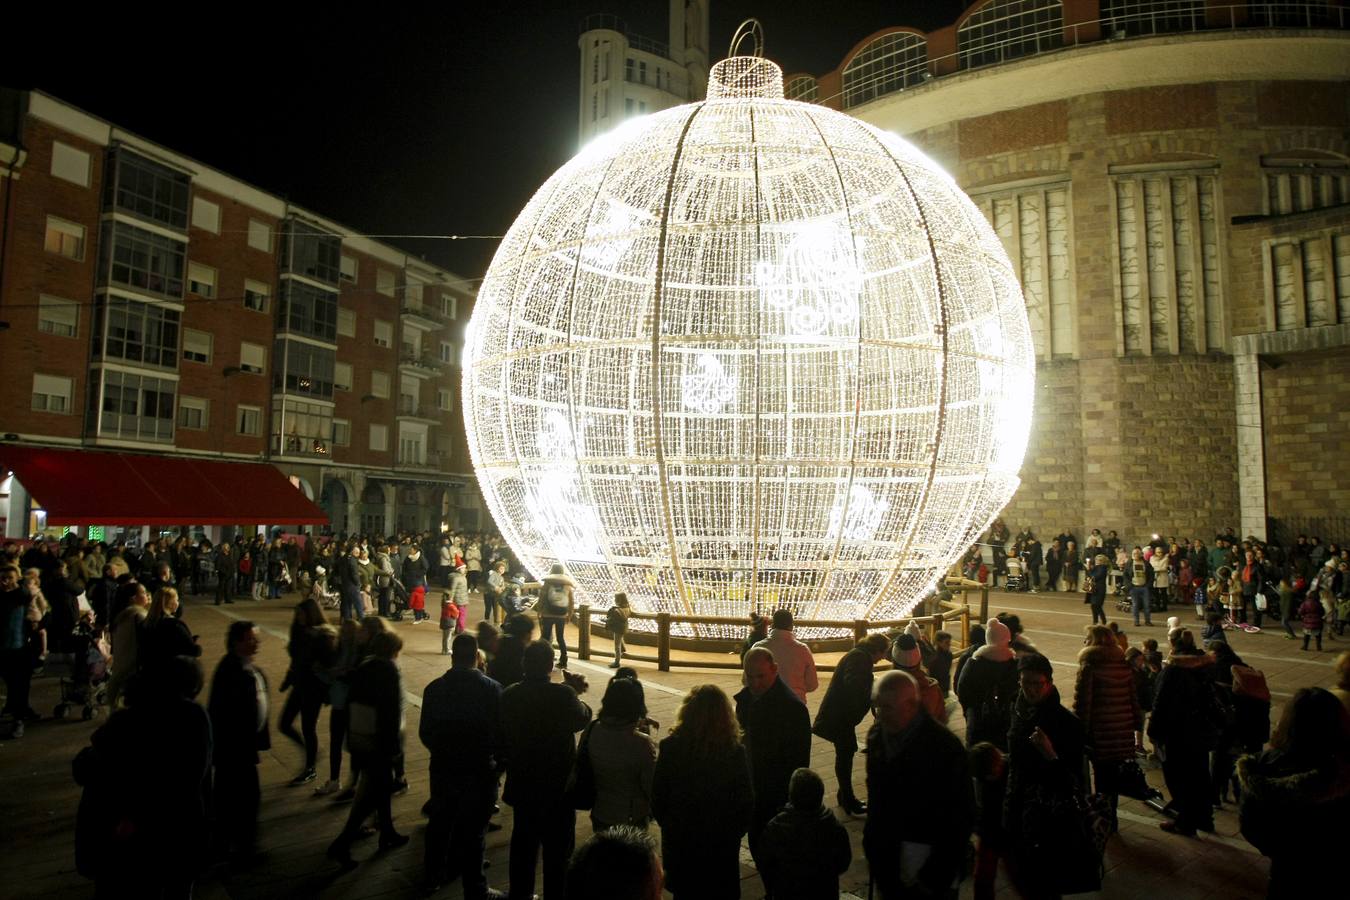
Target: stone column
x: 1251, y: 451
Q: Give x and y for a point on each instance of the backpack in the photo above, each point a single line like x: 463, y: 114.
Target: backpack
x: 1249, y: 682
x: 553, y: 599
x: 245, y: 564
x: 615, y: 621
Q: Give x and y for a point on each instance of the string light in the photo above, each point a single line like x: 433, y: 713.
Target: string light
x: 748, y: 353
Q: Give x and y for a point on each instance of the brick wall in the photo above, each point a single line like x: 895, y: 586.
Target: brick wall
x: 1306, y: 407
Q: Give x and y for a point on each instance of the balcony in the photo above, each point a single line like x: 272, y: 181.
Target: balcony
x: 423, y: 318
x: 430, y: 460
x: 411, y: 409
x: 419, y: 365
x: 297, y: 446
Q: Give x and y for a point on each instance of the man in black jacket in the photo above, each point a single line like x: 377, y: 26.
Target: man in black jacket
x: 847, y: 700
x: 238, y: 709
x: 922, y: 799
x: 461, y: 726
x: 349, y: 584
x: 540, y: 720
x: 777, y: 736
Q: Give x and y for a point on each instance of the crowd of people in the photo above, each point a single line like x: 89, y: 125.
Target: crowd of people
x: 730, y: 769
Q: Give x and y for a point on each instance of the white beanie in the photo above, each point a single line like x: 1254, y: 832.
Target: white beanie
x: 1173, y: 623
x: 997, y: 634
x: 905, y: 651
x: 913, y: 630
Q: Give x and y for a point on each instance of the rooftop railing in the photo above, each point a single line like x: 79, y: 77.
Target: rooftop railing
x: 636, y: 41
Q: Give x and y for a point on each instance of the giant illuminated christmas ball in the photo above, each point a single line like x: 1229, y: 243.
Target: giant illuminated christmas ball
x: 744, y: 354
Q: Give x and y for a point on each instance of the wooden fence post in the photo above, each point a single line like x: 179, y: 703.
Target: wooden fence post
x: 663, y: 641
x: 965, y: 625
x: 859, y: 630
x: 984, y: 603
x: 584, y: 631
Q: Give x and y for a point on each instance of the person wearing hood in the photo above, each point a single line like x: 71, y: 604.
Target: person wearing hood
x: 847, y: 701
x: 1045, y: 772
x: 804, y: 849
x: 1106, y: 702
x: 415, y: 580
x: 557, y: 601
x: 988, y: 687
x: 1297, y: 793
x: 907, y: 656
x: 796, y: 664
x: 1186, y: 724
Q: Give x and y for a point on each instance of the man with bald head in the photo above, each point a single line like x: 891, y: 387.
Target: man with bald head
x: 777, y: 736
x: 921, y: 804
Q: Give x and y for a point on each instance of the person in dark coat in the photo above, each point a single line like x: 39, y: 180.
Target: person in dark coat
x: 148, y: 836
x: 1097, y: 597
x: 375, y: 736
x: 165, y: 635
x: 1045, y: 772
x: 987, y: 688
x: 847, y: 700
x: 461, y: 727
x: 702, y: 798
x: 540, y: 720
x: 935, y: 811
x: 238, y: 710
x: 1187, y: 722
x: 507, y: 665
x: 804, y: 849
x: 976, y: 642
x: 1107, y: 703
x: 777, y: 731
x: 61, y: 593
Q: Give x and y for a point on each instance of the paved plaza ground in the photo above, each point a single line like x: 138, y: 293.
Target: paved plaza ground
x: 39, y: 799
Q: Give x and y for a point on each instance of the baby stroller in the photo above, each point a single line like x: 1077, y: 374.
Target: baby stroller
x: 87, y: 684
x: 1015, y: 580
x: 398, y: 600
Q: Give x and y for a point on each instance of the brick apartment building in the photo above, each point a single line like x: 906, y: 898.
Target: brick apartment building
x: 1172, y: 180
x: 153, y: 305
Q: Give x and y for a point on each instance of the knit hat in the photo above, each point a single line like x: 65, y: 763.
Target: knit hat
x: 905, y: 651
x: 1173, y: 622
x: 996, y: 634
x: 913, y: 630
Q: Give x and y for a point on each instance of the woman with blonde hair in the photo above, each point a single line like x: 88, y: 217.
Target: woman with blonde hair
x: 702, y: 798
x: 164, y: 635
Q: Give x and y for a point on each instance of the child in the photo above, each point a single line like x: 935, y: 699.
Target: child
x: 616, y: 620
x: 449, y: 620
x: 988, y: 767
x: 804, y: 847
x: 1213, y: 629
x: 1313, y: 616
x: 1143, y: 688
x: 1152, y: 658
x: 1186, y: 582
x: 939, y: 663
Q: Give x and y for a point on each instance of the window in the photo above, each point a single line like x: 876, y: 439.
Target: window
x: 196, y: 345
x: 144, y: 261
x: 70, y: 164
x: 249, y: 420
x: 890, y: 63
x: 1302, y: 181
x: 447, y: 352
x: 342, y: 376
x: 148, y: 190
x: 629, y: 66
x: 410, y: 448
x: 1007, y: 29
x: 205, y: 215
x: 449, y: 306
x: 201, y: 280
x: 256, y: 295
x: 1125, y: 18
x: 194, y: 413
x: 642, y: 71
x: 444, y: 400
x: 379, y: 384
x: 136, y: 407
x: 310, y: 252
x: 412, y: 291
x: 385, y: 282
x: 1168, y: 247
x: 1310, y: 278
x: 348, y: 268
x: 252, y: 358
x: 1033, y: 224
x: 51, y: 393
x: 308, y: 310
x: 379, y: 438
x: 134, y: 331
x: 57, y: 315
x: 307, y: 369
x: 384, y: 333
x: 342, y: 432
x: 803, y: 88
x: 300, y: 427
x: 64, y: 238
x: 259, y: 235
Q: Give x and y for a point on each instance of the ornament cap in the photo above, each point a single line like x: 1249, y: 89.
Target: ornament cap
x: 744, y: 78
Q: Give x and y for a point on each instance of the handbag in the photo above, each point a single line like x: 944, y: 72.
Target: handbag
x: 580, y: 790
x: 1131, y: 782
x: 1261, y: 601
x: 1089, y: 585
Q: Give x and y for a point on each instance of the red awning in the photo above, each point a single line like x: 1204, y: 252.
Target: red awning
x: 93, y: 487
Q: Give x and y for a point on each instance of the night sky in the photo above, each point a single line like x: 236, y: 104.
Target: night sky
x: 436, y: 121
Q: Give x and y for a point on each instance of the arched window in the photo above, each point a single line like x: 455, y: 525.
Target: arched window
x: 1007, y: 29
x: 803, y: 88
x: 1127, y: 18
x: 890, y: 63
x: 1308, y: 14
x: 1300, y: 180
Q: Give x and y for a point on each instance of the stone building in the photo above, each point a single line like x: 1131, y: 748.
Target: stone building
x: 1171, y: 180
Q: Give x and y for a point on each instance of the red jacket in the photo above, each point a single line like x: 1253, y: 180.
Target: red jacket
x: 1311, y: 613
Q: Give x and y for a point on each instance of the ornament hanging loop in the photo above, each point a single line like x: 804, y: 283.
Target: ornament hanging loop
x: 751, y: 30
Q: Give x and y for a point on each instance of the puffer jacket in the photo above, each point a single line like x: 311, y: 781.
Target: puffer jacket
x: 1312, y: 614
x: 987, y: 690
x: 1104, y: 698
